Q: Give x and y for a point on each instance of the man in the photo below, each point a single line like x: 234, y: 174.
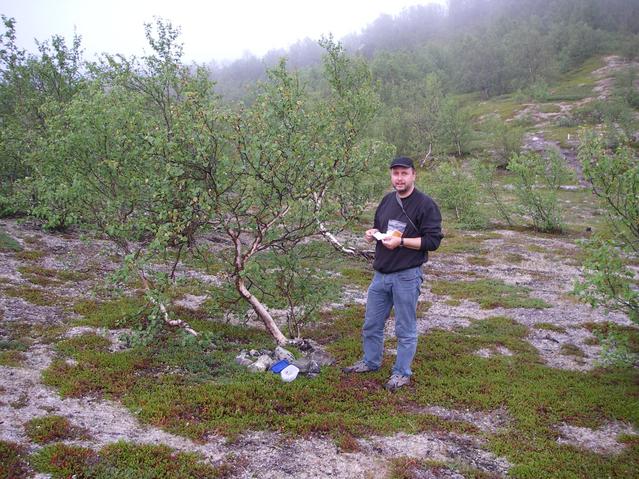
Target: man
x: 412, y: 222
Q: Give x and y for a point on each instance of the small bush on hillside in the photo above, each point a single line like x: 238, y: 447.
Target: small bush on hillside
x: 505, y: 140
x: 625, y: 86
x: 537, y: 181
x: 485, y: 174
x: 292, y: 281
x: 459, y: 192
x: 539, y: 91
x: 608, y: 279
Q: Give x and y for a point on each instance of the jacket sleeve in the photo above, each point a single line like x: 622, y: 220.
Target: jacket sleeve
x: 430, y: 226
x: 377, y: 221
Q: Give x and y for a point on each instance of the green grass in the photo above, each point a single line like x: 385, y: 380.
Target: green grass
x: 46, y: 277
x: 456, y: 242
x: 562, y: 135
x: 504, y: 106
x: 488, y: 293
x: 30, y: 255
x: 123, y: 460
x: 12, y: 344
x: 576, y: 84
x: 549, y: 108
x: 42, y: 430
x: 97, y: 372
x: 551, y: 327
x: 125, y: 312
x: 8, y: 243
x: 11, y: 358
x: 82, y: 343
x: 411, y: 468
x: 479, y: 261
x: 514, y: 258
x: 354, y: 276
x: 35, y: 296
x: 569, y: 349
x: 34, y: 273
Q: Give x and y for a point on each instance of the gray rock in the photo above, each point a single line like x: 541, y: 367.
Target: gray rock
x: 305, y: 345
x: 322, y: 358
x: 262, y: 364
x: 281, y: 353
x: 243, y: 360
x: 307, y: 366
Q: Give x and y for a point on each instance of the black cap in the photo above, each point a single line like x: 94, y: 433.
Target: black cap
x: 403, y: 161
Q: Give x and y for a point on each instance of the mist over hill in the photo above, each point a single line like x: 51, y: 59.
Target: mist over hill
x: 491, y: 46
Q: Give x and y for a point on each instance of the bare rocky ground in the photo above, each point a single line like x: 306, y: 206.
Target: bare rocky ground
x: 546, y: 265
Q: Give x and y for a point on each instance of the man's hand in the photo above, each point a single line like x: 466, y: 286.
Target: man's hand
x: 392, y: 242
x: 369, y: 234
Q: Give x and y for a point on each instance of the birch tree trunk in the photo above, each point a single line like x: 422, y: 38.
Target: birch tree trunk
x: 261, y: 312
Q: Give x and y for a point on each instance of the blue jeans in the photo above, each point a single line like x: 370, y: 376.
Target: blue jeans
x: 399, y: 290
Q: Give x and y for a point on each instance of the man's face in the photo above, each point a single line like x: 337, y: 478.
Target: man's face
x: 403, y: 179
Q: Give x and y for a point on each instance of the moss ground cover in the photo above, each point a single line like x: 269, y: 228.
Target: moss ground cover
x: 83, y: 342
x: 30, y: 255
x: 577, y: 84
x: 123, y: 460
x: 32, y: 295
x: 488, y: 293
x: 119, y: 313
x: 50, y: 428
x: 411, y: 468
x: 11, y: 358
x: 45, y: 276
x: 456, y: 242
x: 8, y: 243
x: 13, y: 461
x: 213, y: 395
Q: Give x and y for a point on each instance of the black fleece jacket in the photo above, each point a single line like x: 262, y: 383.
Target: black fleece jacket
x: 426, y: 224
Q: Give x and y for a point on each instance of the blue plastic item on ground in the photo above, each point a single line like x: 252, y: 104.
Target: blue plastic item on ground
x: 278, y: 366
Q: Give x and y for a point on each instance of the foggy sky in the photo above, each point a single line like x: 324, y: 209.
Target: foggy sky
x: 211, y: 30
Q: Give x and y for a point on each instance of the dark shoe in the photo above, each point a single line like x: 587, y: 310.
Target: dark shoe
x: 359, y: 367
x: 397, y: 381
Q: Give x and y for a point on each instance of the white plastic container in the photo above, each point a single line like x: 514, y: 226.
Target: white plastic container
x: 289, y: 373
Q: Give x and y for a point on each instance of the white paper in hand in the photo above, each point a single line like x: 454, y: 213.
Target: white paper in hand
x: 380, y: 236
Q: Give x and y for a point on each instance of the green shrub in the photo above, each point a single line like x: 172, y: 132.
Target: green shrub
x: 616, y: 350
x: 290, y: 280
x: 608, y: 278
x: 505, y: 140
x: 485, y: 173
x: 537, y: 181
x: 458, y: 192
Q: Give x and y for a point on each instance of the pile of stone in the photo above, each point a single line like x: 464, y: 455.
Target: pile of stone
x: 310, y: 364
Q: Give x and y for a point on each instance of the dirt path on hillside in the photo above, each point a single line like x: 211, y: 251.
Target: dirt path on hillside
x: 536, y: 141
